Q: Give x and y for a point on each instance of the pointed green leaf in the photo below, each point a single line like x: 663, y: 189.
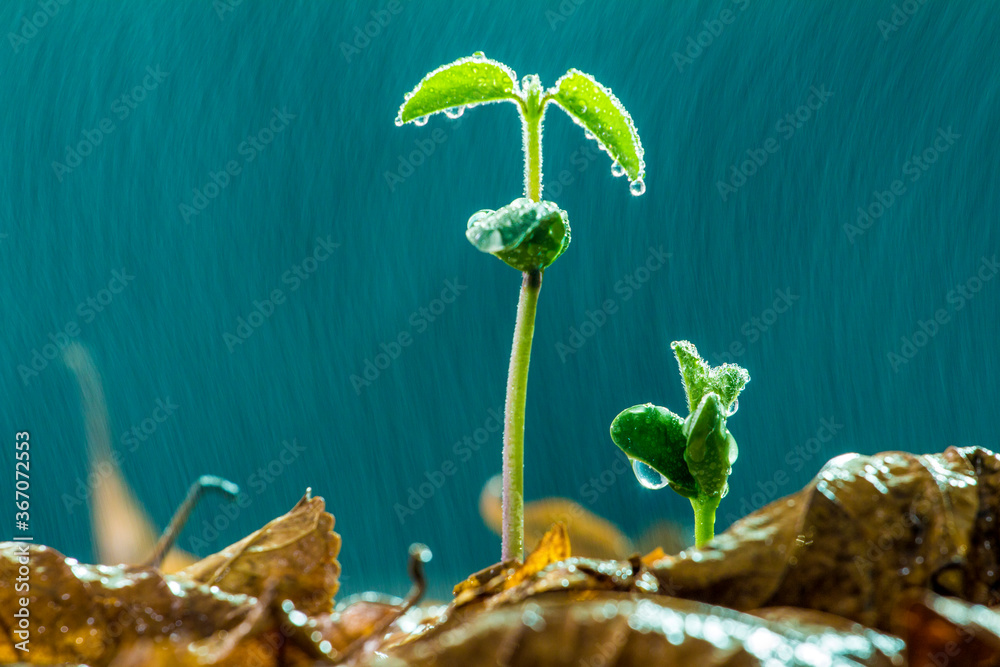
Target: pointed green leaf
x: 467, y: 81
x: 594, y: 107
x: 655, y: 436
x: 699, y: 379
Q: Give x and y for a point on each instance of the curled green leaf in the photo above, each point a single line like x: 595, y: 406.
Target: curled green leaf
x: 655, y: 436
x: 597, y: 110
x: 465, y: 82
x: 525, y: 234
x: 711, y: 450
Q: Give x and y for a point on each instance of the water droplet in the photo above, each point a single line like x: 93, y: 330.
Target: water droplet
x: 734, y: 407
x: 617, y: 170
x: 589, y: 135
x: 420, y: 122
x: 647, y: 476
x: 454, y: 112
x: 479, y: 56
x: 637, y: 187
x: 399, y: 122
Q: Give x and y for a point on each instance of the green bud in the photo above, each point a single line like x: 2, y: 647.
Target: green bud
x: 525, y: 234
x: 711, y: 450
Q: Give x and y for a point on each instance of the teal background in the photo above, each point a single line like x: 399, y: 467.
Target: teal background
x: 324, y: 175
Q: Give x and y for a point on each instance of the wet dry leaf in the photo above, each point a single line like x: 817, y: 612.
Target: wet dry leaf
x: 563, y: 630
x: 552, y: 548
x: 298, y: 551
x: 218, y: 612
x: 864, y: 532
x: 941, y: 631
x: 86, y: 613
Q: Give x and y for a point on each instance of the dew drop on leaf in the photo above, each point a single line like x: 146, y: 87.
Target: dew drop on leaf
x: 454, y: 112
x: 479, y: 56
x: 647, y: 476
x: 617, y: 170
x: 420, y: 122
x: 637, y: 187
x: 399, y: 122
x: 589, y: 135
x: 734, y: 407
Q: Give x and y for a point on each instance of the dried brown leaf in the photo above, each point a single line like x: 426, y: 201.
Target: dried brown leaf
x: 866, y: 531
x: 298, y: 551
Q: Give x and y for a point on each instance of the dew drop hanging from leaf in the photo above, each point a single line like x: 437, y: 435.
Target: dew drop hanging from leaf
x: 647, y: 475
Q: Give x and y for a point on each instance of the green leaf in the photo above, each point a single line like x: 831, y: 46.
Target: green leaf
x: 465, y: 82
x: 527, y: 235
x: 699, y: 379
x: 655, y: 436
x: 594, y: 107
x: 711, y: 450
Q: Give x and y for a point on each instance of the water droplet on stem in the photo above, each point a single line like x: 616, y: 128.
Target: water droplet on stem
x: 637, y: 187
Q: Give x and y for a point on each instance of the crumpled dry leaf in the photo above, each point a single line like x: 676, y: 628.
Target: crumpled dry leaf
x: 86, y: 613
x: 552, y: 548
x: 941, y: 631
x: 571, y: 629
x: 90, y: 613
x: 298, y: 551
x: 867, y: 530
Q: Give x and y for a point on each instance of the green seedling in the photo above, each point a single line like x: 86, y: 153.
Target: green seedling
x: 694, y: 456
x: 529, y: 233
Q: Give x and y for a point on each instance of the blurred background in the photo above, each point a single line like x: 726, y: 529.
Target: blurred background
x: 213, y: 199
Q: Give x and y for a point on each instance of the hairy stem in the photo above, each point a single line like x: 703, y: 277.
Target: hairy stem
x: 513, y: 431
x: 531, y: 119
x: 704, y: 518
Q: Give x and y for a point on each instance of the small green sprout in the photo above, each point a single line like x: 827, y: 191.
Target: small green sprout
x: 694, y: 456
x: 529, y: 233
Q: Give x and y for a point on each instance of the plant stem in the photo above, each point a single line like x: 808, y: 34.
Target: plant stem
x: 704, y: 518
x: 513, y: 431
x: 531, y: 120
